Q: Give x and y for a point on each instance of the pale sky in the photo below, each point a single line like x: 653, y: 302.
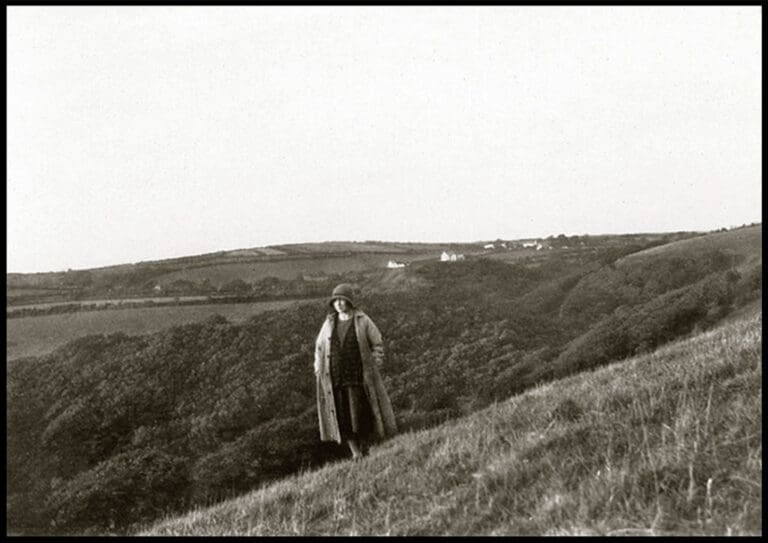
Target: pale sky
x: 142, y: 133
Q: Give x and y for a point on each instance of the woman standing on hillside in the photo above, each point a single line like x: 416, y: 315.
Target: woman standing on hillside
x: 352, y: 404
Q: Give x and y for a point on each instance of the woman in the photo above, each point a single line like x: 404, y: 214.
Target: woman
x: 352, y: 404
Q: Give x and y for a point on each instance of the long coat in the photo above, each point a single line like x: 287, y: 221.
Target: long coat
x: 372, y: 356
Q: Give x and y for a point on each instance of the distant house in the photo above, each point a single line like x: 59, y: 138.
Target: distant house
x: 394, y: 264
x: 533, y: 243
x: 158, y: 289
x: 489, y: 246
x: 451, y: 257
x: 504, y: 245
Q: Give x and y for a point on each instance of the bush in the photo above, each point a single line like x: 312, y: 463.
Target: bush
x: 127, y: 488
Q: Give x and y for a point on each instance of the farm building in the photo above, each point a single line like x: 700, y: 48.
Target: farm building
x: 450, y: 257
x: 395, y: 264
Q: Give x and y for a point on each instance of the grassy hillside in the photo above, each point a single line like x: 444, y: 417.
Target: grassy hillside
x: 110, y: 430
x: 668, y: 443
x: 36, y: 336
x: 744, y: 244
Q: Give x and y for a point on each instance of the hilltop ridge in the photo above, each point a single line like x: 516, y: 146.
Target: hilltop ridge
x: 201, y: 275
x: 745, y: 243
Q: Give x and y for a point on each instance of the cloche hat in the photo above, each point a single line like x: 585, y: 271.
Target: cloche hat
x: 345, y: 291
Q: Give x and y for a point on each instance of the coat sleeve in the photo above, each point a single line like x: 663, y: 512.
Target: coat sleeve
x: 319, y: 349
x: 376, y: 342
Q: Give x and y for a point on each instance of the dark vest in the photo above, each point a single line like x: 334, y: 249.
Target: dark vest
x: 346, y: 362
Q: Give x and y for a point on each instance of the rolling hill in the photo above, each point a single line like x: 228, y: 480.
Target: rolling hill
x: 263, y: 261
x: 110, y: 430
x: 203, y: 274
x: 667, y: 443
x: 744, y: 244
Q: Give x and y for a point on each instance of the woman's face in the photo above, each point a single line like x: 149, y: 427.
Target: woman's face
x: 340, y: 305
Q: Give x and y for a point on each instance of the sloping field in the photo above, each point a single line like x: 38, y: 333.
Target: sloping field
x: 11, y: 292
x: 35, y: 336
x: 520, y: 254
x: 372, y: 247
x: 290, y: 268
x: 259, y: 251
x: 743, y: 242
x: 668, y: 443
x: 339, y: 247
x: 115, y: 301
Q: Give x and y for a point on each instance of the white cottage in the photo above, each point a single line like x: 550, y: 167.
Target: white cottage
x: 450, y: 257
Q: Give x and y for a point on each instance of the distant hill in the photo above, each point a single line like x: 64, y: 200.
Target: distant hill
x: 668, y: 443
x: 195, y: 275
x: 312, y: 264
x: 744, y: 244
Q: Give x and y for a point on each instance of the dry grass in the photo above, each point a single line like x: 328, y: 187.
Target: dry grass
x: 745, y: 242
x: 668, y: 443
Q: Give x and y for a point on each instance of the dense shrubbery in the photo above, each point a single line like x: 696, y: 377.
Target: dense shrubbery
x: 112, y: 430
x: 268, y: 289
x: 640, y: 328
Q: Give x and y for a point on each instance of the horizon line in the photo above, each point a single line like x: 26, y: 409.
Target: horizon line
x: 474, y: 242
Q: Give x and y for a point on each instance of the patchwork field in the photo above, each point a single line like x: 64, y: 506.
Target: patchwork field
x: 373, y: 247
x: 116, y: 301
x: 289, y: 268
x: 35, y: 336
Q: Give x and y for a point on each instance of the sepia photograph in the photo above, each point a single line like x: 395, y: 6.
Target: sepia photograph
x: 383, y: 271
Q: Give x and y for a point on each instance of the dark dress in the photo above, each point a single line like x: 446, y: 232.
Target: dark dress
x: 352, y: 409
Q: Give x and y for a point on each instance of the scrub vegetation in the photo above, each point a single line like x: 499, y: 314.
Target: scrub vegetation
x: 111, y: 432
x: 666, y: 443
x: 39, y: 335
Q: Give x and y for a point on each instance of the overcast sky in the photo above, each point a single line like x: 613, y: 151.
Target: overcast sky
x: 141, y: 133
